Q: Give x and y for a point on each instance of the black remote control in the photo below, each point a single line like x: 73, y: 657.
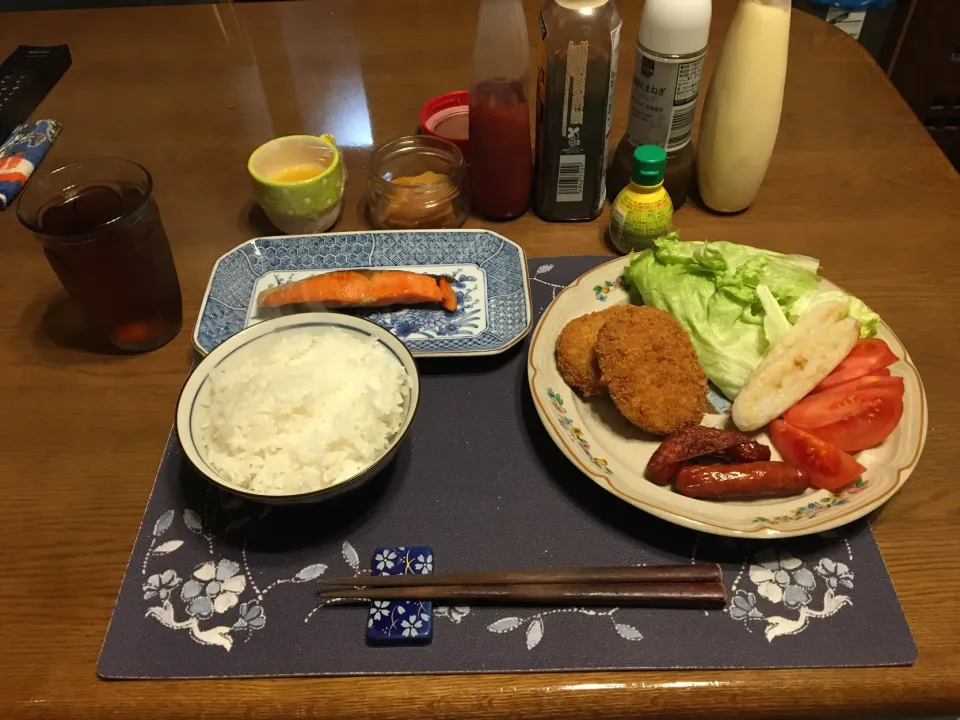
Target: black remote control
x: 26, y: 76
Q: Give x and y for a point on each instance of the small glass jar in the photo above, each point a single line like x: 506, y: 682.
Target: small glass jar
x: 417, y: 182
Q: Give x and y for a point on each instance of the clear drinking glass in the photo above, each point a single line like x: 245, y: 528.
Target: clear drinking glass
x: 101, y: 231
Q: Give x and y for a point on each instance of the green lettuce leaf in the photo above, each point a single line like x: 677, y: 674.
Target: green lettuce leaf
x: 855, y: 306
x: 775, y: 323
x: 724, y: 295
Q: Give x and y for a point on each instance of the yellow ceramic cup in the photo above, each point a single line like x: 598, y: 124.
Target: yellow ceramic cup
x: 299, y: 206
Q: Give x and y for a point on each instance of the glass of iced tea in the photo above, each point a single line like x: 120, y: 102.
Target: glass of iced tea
x: 100, y: 229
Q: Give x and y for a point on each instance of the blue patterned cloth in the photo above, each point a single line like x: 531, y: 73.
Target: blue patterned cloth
x: 21, y: 153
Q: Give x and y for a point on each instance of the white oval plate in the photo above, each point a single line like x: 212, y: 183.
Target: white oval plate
x: 613, y: 453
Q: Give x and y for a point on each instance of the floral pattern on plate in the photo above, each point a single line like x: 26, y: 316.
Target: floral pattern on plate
x: 812, y: 508
x: 575, y: 432
x: 490, y: 272
x: 602, y: 291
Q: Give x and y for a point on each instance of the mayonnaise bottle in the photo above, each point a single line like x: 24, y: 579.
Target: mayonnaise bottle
x: 741, y: 112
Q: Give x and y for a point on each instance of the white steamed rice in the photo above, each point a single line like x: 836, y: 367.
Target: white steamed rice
x: 303, y: 411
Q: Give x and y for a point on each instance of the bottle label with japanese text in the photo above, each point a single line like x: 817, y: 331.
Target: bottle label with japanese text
x: 573, y: 158
x: 637, y: 220
x: 611, y: 90
x: 663, y: 99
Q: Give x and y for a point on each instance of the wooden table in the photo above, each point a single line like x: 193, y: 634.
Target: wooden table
x: 189, y: 92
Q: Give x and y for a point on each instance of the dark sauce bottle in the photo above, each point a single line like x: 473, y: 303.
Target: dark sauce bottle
x: 577, y: 73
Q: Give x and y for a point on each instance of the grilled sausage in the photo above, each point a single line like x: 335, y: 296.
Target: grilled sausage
x: 748, y: 452
x: 687, y: 444
x: 748, y: 480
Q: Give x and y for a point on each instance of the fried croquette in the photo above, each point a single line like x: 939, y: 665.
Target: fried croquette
x: 651, y: 370
x: 576, y: 356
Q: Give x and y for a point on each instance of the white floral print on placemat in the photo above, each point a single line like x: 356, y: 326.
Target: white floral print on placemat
x: 536, y: 625
x: 782, y: 581
x: 219, y: 600
x: 453, y: 614
x: 537, y: 277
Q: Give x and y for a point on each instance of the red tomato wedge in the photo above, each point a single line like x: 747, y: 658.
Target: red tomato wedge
x: 867, y: 356
x: 868, y: 380
x: 878, y: 379
x: 870, y: 427
x: 830, y: 468
x: 843, y: 401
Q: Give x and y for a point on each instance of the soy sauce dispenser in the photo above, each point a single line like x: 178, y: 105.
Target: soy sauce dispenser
x: 577, y: 72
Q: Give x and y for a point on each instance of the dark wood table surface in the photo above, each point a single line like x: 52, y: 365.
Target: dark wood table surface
x: 189, y: 91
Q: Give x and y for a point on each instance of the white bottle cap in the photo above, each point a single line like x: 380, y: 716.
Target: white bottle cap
x: 675, y: 27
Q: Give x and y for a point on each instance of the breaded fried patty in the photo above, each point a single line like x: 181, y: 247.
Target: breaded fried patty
x: 651, y: 370
x: 576, y: 356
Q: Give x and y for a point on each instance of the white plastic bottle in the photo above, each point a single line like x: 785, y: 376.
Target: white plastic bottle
x: 741, y: 113
x: 671, y: 46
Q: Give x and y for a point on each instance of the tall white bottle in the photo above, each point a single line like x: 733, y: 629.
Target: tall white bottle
x: 671, y: 46
x: 741, y: 113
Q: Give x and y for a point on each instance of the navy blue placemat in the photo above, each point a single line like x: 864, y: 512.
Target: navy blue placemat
x: 220, y: 587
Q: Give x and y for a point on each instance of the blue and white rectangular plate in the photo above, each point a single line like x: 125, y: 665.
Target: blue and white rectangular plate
x: 492, y: 286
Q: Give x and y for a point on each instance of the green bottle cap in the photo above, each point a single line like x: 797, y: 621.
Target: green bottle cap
x: 649, y: 162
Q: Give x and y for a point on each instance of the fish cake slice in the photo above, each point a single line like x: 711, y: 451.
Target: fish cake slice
x: 576, y: 351
x: 805, y: 355
x: 651, y: 370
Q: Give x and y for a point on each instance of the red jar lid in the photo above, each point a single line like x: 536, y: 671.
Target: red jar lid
x: 446, y: 116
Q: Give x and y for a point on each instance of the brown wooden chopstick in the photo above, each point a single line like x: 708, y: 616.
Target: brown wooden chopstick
x: 702, y: 596
x: 702, y: 573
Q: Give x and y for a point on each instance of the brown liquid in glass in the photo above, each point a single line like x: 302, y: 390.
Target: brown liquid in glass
x: 113, y: 258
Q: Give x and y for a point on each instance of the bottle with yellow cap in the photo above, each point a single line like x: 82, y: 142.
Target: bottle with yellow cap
x: 642, y: 211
